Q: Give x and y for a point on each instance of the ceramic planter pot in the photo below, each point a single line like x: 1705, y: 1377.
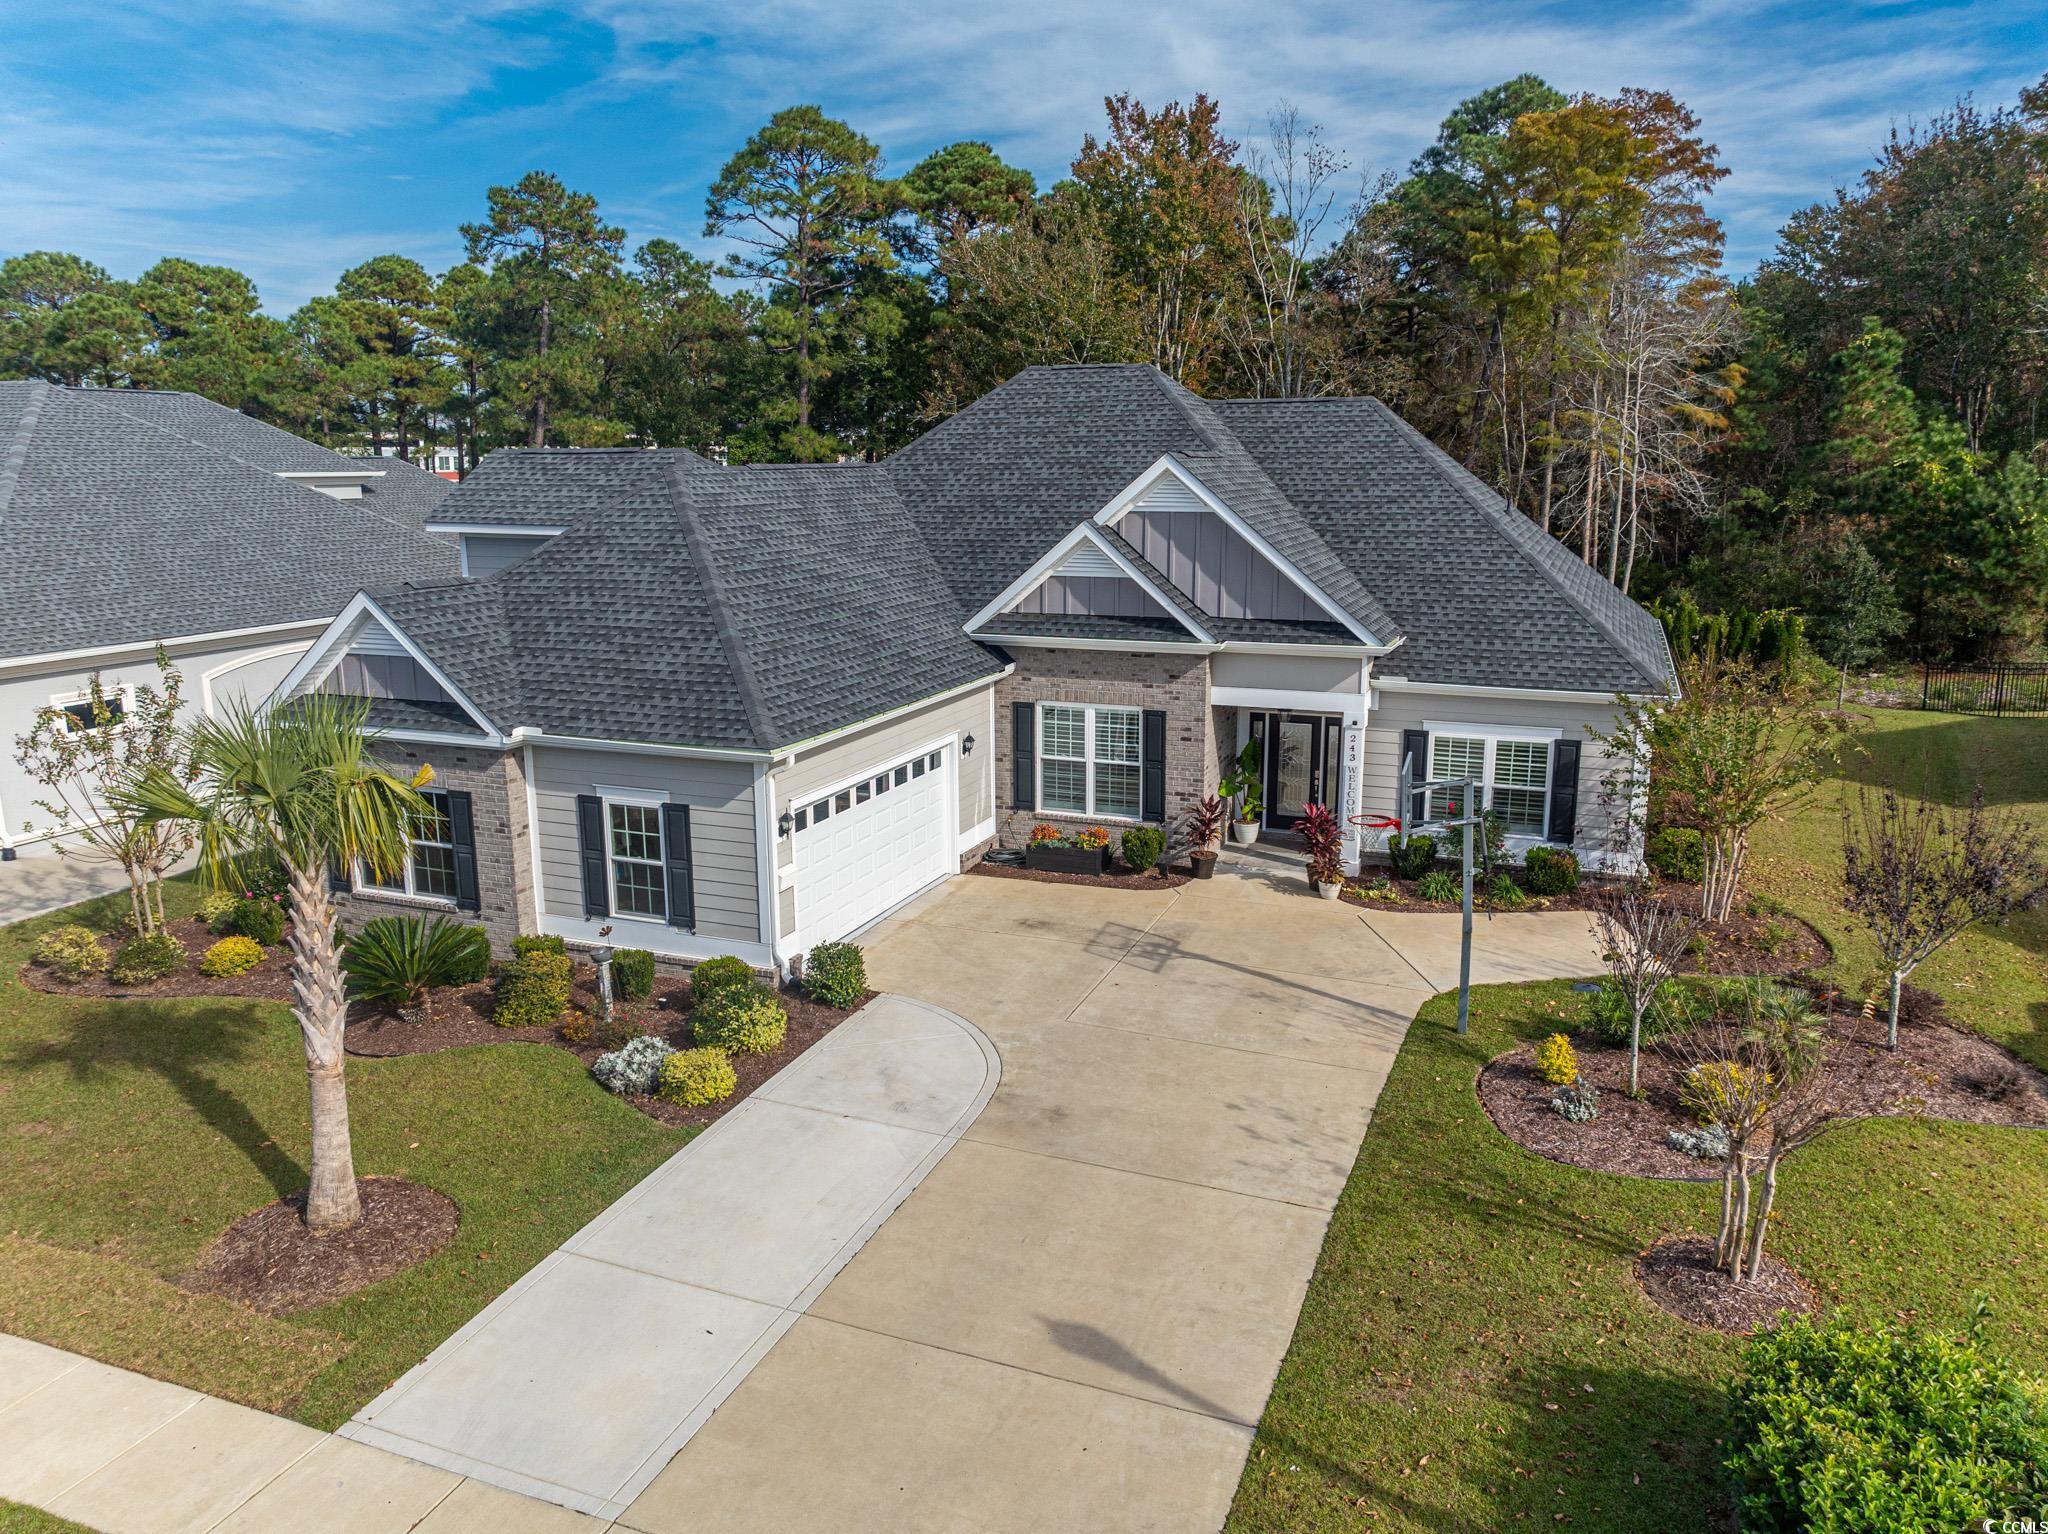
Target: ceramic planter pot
x: 1244, y: 832
x: 1055, y: 859
x: 1329, y: 891
x: 1202, y: 864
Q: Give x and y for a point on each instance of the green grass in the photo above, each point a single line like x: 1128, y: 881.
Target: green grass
x: 19, y: 1518
x: 1473, y: 1353
x: 133, y: 1132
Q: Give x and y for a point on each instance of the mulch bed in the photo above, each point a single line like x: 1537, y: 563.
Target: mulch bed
x: 1678, y: 1275
x: 271, y: 980
x: 1758, y: 942
x: 1938, y: 1071
x: 269, y: 1259
x: 1120, y: 876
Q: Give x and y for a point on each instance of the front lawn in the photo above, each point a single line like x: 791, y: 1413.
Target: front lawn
x: 133, y: 1132
x: 1473, y: 1352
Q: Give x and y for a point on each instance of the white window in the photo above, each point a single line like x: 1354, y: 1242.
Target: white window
x: 1514, y: 774
x: 639, y: 871
x: 1089, y: 760
x: 428, y: 872
x: 79, y: 714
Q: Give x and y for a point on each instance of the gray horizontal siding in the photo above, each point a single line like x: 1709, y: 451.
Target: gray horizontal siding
x: 725, y: 865
x: 485, y: 554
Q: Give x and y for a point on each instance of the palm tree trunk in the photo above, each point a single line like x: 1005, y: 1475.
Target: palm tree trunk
x: 332, y: 1202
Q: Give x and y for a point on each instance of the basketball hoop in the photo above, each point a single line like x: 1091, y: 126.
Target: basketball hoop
x: 1377, y: 822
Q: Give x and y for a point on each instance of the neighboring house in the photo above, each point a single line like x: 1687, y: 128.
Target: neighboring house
x: 748, y: 710
x: 133, y: 518
x: 440, y: 460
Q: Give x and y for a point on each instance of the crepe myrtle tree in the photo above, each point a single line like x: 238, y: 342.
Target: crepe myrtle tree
x: 83, y: 754
x: 297, y: 784
x: 1919, y: 875
x: 1644, y: 938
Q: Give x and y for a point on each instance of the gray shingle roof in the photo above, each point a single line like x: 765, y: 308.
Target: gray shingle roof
x: 741, y: 608
x: 1486, y: 597
x: 129, y: 517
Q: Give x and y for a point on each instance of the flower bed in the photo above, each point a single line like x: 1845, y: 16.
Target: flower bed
x: 269, y: 979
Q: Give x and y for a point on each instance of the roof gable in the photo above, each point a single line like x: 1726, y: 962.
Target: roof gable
x: 1093, y: 573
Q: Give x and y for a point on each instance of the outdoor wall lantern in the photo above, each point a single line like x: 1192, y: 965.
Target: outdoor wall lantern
x: 787, y: 823
x: 967, y: 746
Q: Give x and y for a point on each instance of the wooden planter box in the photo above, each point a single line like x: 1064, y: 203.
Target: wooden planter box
x: 1067, y: 860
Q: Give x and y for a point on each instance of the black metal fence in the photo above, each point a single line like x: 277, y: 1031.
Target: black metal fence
x: 2012, y: 689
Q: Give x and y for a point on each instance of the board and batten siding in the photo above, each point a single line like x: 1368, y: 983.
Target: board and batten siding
x: 1209, y: 559
x: 1394, y: 712
x: 485, y: 554
x: 725, y: 866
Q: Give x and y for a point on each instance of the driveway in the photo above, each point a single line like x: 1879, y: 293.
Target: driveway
x: 1074, y: 1321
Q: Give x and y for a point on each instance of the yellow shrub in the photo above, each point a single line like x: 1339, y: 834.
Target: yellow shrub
x: 1714, y: 1091
x: 1556, y: 1061
x: 695, y: 1077
x: 230, y: 956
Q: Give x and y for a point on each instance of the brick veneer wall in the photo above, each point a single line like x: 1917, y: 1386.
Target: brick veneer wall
x: 496, y: 785
x: 1178, y: 684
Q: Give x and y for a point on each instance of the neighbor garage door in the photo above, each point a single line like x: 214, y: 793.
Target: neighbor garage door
x: 872, y: 844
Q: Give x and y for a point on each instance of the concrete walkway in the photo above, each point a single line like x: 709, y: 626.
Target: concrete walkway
x: 1076, y: 1319
x: 580, y: 1382
x: 31, y: 886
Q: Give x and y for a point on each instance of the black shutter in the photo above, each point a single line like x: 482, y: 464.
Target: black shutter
x: 1564, y: 790
x: 590, y: 844
x: 1152, y: 779
x: 462, y: 832
x: 1415, y: 752
x: 1023, y: 756
x: 682, y: 893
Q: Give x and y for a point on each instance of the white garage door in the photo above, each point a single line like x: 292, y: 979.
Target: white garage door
x: 873, y: 844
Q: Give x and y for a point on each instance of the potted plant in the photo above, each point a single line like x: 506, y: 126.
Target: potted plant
x: 1203, y: 824
x: 1242, y: 784
x: 1324, y: 838
x: 1053, y: 851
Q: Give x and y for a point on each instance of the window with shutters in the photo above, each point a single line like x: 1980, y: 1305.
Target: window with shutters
x: 428, y: 872
x: 1513, y: 772
x: 1089, y: 760
x: 639, y: 874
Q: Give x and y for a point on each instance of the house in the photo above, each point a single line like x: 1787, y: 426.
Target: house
x: 748, y: 710
x: 134, y: 518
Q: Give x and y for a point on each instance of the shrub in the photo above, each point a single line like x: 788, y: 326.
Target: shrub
x: 1855, y: 1425
x: 1556, y: 1061
x: 1712, y: 1089
x: 1605, y: 1013
x: 632, y: 1068
x: 143, y: 959
x: 395, y: 960
x: 740, y: 1019
x: 262, y: 877
x: 1576, y: 1101
x: 1551, y: 871
x: 533, y: 990
x: 633, y: 973
x: 259, y: 917
x: 1143, y: 847
x: 1677, y: 852
x: 1771, y: 936
x: 1438, y: 887
x: 716, y: 974
x: 215, y: 904
x: 230, y: 956
x: 694, y: 1077
x: 72, y: 951
x: 1503, y: 894
x: 538, y: 942
x: 836, y: 974
x: 1412, y: 856
x: 1708, y: 1144
x: 579, y: 1027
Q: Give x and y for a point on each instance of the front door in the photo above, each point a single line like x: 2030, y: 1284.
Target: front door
x: 1301, y: 752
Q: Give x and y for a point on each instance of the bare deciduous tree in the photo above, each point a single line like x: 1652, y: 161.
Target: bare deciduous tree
x: 1285, y: 199
x: 1919, y: 875
x: 1644, y: 938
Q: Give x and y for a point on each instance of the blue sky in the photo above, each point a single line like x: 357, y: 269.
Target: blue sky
x: 295, y: 139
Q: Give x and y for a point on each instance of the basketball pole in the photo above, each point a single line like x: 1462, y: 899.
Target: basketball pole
x: 1468, y: 797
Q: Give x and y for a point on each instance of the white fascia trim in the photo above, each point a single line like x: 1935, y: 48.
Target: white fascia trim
x: 612, y: 793
x: 14, y: 664
x: 1130, y: 646
x: 788, y: 754
x: 1457, y: 729
x: 1049, y: 561
x: 540, y: 899
x: 361, y: 606
x: 331, y: 476
x: 437, y: 738
x: 1115, y: 511
x: 1362, y: 652
x: 528, y: 735
x: 1530, y: 694
x: 492, y: 529
x: 1286, y: 699
x: 768, y: 887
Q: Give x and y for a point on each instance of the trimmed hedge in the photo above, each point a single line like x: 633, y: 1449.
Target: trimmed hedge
x: 1143, y: 847
x: 1412, y: 856
x: 533, y: 990
x: 1551, y: 871
x: 538, y: 942
x: 72, y: 951
x: 696, y: 1077
x: 142, y: 959
x: 1677, y: 852
x: 1852, y: 1425
x: 633, y: 974
x: 740, y: 1019
x: 836, y: 974
x: 260, y: 918
x: 716, y: 974
x: 230, y: 956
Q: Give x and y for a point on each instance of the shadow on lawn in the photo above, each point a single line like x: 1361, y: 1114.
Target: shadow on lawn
x: 184, y: 1043
x: 1945, y: 761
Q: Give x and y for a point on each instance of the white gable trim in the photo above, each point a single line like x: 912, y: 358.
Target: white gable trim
x: 1167, y: 464
x: 326, y: 653
x: 1049, y: 562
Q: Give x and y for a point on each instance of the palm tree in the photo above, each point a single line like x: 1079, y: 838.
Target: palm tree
x: 297, y: 784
